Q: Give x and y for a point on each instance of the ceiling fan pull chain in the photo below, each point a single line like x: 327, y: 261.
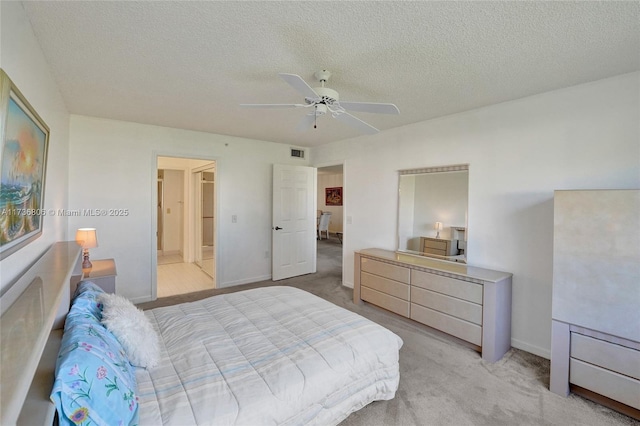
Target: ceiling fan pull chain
x: 315, y: 117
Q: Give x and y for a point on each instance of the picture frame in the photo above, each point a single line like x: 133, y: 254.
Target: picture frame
x: 333, y: 196
x: 24, y: 143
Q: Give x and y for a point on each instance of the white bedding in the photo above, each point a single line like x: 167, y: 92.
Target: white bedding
x: 274, y: 355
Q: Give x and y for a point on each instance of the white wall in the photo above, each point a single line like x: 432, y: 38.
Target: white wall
x: 407, y: 239
x: 114, y: 167
x: 326, y: 180
x: 519, y: 152
x: 23, y: 61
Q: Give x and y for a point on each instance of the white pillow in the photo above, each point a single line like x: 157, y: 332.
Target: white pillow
x: 132, y: 329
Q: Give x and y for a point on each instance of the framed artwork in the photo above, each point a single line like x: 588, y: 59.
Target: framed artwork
x: 24, y: 140
x: 333, y: 196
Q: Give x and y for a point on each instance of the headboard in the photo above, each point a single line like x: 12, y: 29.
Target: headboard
x: 32, y: 315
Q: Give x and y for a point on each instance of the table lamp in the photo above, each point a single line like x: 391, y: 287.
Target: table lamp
x: 438, y: 228
x: 86, y: 238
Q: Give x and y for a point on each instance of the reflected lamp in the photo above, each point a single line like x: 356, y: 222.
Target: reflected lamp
x: 438, y: 228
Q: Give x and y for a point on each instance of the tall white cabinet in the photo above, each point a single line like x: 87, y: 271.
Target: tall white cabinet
x: 595, y: 348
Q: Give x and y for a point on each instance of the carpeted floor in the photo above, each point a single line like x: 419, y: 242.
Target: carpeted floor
x: 443, y: 382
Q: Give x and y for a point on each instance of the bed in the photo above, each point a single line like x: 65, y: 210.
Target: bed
x: 273, y: 355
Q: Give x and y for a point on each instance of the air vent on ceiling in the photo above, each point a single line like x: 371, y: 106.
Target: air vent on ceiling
x: 298, y: 153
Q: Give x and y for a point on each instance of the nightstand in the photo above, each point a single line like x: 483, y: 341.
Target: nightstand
x: 439, y: 246
x: 103, y: 274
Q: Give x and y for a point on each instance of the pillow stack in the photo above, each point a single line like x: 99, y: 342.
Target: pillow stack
x: 104, y: 337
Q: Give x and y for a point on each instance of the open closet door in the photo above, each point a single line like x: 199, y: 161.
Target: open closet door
x: 294, y: 221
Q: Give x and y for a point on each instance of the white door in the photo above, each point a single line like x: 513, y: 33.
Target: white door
x: 294, y: 221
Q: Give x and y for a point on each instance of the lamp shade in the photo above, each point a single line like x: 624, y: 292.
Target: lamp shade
x: 86, y: 238
x: 438, y: 226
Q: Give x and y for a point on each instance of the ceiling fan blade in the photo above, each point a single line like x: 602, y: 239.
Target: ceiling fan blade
x: 376, y: 108
x: 355, y: 122
x: 271, y: 105
x: 306, y: 122
x: 299, y: 84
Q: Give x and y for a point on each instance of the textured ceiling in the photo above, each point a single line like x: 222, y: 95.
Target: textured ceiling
x: 190, y: 64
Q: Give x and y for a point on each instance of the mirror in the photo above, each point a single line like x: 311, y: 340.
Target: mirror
x: 432, y: 212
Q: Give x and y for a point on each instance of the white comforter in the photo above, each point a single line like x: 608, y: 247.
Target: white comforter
x: 274, y: 355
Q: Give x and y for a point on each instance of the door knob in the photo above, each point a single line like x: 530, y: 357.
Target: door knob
x: 277, y: 228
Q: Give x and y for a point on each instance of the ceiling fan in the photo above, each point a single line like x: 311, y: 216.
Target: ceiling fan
x: 322, y: 100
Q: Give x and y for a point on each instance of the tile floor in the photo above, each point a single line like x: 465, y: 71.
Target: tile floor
x: 181, y: 278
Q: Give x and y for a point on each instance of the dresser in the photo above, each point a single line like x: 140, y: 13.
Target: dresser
x: 439, y: 246
x: 472, y: 304
x: 595, y: 322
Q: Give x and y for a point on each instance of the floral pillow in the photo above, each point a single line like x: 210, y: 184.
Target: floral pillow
x: 85, y: 299
x: 95, y: 383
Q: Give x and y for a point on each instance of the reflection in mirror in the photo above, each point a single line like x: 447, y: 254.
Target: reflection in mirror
x: 432, y: 212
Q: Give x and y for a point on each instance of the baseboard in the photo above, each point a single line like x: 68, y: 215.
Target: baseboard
x: 349, y: 285
x: 607, y: 402
x: 142, y: 299
x: 536, y: 350
x: 245, y: 281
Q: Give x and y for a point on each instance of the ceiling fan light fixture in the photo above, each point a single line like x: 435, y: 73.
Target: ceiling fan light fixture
x: 325, y: 96
x: 321, y: 109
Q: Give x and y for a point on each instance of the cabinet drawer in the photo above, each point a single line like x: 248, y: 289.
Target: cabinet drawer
x: 390, y: 303
x: 470, y: 292
x: 605, y: 382
x: 393, y: 272
x: 462, y: 309
x: 454, y: 326
x: 385, y: 285
x: 430, y: 250
x: 606, y: 355
x: 435, y: 244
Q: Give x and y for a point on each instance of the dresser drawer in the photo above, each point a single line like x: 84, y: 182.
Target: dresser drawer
x: 386, y: 270
x: 390, y: 303
x: 606, y: 355
x: 435, y: 244
x: 470, y: 292
x: 605, y: 382
x: 458, y: 308
x: 430, y: 250
x: 443, y: 322
x: 385, y: 285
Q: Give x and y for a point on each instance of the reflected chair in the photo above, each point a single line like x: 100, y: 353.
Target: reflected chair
x: 323, y: 224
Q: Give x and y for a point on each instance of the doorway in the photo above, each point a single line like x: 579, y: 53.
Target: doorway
x: 170, y: 225
x: 330, y: 185
x: 185, y: 208
x: 331, y: 199
x: 160, y: 224
x: 205, y: 220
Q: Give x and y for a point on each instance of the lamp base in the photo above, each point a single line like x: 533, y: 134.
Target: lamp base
x: 86, y: 263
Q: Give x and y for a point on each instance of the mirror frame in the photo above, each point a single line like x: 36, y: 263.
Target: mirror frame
x: 427, y: 170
